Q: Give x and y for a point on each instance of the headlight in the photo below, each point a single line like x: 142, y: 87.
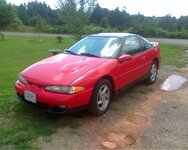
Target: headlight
x: 22, y: 79
x: 65, y: 89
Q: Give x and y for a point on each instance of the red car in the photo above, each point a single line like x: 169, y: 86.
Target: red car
x: 89, y: 73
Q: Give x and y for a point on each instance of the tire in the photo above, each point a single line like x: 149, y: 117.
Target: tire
x: 152, y: 73
x: 101, y: 97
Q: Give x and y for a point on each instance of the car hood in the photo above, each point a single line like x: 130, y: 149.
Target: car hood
x: 61, y: 69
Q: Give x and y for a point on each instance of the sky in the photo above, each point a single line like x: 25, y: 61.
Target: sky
x: 146, y: 7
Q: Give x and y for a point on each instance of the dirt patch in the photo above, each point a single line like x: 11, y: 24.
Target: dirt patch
x: 137, y: 119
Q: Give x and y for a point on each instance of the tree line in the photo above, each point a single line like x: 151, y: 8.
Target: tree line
x: 81, y: 17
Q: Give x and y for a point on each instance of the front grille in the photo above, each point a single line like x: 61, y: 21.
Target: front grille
x: 34, y: 85
x: 42, y: 106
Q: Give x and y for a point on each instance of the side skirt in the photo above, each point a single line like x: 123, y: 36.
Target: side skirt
x: 132, y: 84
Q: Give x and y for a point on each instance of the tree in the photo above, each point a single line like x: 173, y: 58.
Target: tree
x: 22, y: 13
x: 97, y: 15
x: 81, y: 5
x: 168, y: 23
x: 74, y: 15
x: 116, y: 18
x: 183, y: 23
x: 27, y: 11
x: 74, y: 20
x: 6, y: 14
x: 104, y: 22
x: 37, y: 21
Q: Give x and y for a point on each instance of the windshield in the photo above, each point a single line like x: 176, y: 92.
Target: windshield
x: 97, y: 47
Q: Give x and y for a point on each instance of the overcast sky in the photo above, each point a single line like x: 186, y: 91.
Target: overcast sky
x: 145, y: 7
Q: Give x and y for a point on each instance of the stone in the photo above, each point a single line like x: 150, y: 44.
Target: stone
x: 109, y: 145
x: 121, y: 140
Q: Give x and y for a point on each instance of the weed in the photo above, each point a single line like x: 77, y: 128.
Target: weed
x: 75, y: 126
x: 136, y: 93
x: 175, y: 107
x: 164, y: 130
x: 114, y: 108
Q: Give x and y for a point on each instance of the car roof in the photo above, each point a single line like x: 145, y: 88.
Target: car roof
x: 116, y: 35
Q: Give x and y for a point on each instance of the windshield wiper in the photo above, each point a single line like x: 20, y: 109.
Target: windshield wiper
x: 70, y: 52
x: 88, y: 54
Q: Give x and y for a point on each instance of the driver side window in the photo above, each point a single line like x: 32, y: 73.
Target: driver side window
x: 131, y: 46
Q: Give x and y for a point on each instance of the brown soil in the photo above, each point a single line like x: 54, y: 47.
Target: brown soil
x: 137, y: 119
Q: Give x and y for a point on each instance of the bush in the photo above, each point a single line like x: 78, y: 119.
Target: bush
x: 21, y: 28
x: 92, y: 29
x: 2, y: 36
x: 59, y: 38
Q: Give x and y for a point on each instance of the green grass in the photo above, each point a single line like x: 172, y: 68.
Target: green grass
x: 171, y: 55
x: 136, y: 93
x: 26, y: 124
x: 18, y: 52
x: 20, y: 125
x: 19, y: 128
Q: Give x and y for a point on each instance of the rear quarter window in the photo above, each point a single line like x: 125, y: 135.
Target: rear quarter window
x: 145, y: 44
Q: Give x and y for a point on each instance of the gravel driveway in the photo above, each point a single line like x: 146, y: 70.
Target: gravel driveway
x: 152, y: 119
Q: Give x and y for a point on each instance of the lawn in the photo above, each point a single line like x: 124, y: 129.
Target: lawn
x: 19, y: 124
x: 171, y: 55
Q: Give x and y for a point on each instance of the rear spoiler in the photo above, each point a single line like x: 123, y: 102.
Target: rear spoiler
x: 154, y: 44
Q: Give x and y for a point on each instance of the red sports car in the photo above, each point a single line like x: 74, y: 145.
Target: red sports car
x: 89, y: 73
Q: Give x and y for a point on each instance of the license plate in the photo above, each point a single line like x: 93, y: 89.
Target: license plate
x: 30, y: 96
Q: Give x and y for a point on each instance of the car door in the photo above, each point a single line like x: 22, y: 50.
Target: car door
x: 147, y: 53
x: 132, y: 70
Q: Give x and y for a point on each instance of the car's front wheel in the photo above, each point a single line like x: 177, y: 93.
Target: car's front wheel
x: 152, y: 73
x: 101, y: 97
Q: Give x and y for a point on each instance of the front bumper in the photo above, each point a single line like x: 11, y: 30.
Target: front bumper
x: 42, y: 106
x: 50, y: 101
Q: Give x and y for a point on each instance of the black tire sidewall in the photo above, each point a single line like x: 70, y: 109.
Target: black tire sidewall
x: 93, y: 106
x: 149, y: 80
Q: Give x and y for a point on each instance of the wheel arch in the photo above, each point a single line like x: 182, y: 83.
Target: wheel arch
x: 93, y: 105
x: 157, y: 61
x: 108, y: 77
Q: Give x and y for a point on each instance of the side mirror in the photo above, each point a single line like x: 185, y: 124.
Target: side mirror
x: 54, y: 51
x: 124, y: 57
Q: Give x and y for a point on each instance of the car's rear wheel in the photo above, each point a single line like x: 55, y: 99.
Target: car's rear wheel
x: 152, y: 73
x: 101, y: 97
